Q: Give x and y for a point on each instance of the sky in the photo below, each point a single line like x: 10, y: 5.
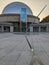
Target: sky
x: 35, y: 5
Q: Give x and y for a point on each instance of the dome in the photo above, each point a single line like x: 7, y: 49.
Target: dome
x: 15, y: 8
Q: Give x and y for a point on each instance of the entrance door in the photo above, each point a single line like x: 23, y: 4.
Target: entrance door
x: 35, y: 29
x: 23, y: 25
x: 6, y: 29
x: 43, y: 29
x: 0, y: 29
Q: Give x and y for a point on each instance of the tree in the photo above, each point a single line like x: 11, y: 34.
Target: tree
x: 45, y: 20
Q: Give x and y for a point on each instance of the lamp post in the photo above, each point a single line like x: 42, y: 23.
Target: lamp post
x: 29, y: 27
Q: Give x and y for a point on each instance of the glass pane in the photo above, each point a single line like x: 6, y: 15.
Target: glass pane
x: 23, y: 15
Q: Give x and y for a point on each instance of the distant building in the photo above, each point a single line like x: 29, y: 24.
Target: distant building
x: 17, y: 17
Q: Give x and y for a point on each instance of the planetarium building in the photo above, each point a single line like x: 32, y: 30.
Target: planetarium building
x: 17, y: 17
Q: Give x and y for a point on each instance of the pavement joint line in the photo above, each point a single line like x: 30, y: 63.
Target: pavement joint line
x: 38, y: 40
x: 10, y: 52
x: 44, y: 49
x: 36, y: 60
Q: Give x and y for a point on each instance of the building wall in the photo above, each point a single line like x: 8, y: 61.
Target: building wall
x: 16, y: 18
x: 9, y: 18
x: 9, y: 27
x: 41, y: 27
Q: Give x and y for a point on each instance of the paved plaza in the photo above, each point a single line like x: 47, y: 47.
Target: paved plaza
x: 14, y: 49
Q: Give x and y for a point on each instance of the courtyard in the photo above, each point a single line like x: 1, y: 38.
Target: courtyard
x: 14, y: 49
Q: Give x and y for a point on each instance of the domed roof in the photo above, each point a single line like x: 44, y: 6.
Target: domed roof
x: 15, y: 8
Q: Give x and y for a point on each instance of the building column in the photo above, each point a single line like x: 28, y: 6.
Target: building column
x: 39, y: 29
x: 2, y: 28
x: 31, y: 28
x: 26, y: 27
x: 20, y: 26
x: 47, y: 29
x: 11, y: 28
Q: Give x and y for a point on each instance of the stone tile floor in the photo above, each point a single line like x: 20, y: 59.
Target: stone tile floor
x: 14, y: 49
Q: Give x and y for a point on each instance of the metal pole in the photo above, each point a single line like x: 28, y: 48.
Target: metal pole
x: 29, y: 27
x: 42, y: 10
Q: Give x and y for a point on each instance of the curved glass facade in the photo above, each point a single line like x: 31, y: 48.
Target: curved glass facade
x: 19, y: 8
x: 15, y: 8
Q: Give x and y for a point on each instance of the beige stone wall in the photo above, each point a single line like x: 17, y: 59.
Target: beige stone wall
x: 2, y: 19
x: 33, y: 19
x: 30, y: 19
x: 16, y: 18
x: 9, y: 18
